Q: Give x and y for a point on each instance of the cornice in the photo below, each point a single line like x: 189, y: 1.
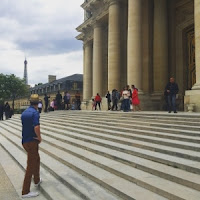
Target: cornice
x: 91, y: 21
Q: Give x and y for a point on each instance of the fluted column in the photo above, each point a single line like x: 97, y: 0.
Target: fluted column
x: 87, y: 76
x: 197, y: 42
x: 98, y: 60
x: 134, y: 54
x: 160, y: 46
x: 114, y: 46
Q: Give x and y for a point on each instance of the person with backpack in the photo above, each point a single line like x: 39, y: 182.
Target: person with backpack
x: 108, y: 97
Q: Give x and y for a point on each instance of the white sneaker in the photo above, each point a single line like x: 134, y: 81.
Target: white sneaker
x: 36, y: 185
x: 30, y: 194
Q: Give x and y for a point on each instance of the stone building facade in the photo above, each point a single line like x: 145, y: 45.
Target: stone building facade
x: 72, y: 84
x: 142, y: 42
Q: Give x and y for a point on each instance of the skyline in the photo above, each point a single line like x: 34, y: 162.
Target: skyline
x: 43, y: 32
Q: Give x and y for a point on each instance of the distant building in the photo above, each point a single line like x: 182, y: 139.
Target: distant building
x: 69, y: 83
x: 72, y: 84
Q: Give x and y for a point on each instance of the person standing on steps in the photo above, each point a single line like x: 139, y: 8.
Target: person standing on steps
x: 78, y: 100
x: 67, y: 100
x: 126, y: 100
x: 1, y: 110
x: 135, y: 99
x: 46, y: 101
x: 171, y: 90
x: 98, y: 101
x: 108, y: 97
x: 31, y: 138
x: 40, y: 106
x: 59, y: 100
x: 7, y: 110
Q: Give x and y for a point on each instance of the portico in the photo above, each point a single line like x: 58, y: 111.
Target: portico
x: 142, y: 42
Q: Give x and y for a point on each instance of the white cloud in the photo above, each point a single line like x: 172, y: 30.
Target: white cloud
x: 45, y: 32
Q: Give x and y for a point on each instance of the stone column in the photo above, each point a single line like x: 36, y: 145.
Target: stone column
x: 87, y: 76
x: 197, y: 42
x: 97, y: 60
x: 134, y: 54
x: 160, y: 46
x: 114, y: 45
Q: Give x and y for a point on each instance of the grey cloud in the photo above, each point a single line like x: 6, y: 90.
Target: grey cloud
x: 37, y: 30
x: 46, y: 47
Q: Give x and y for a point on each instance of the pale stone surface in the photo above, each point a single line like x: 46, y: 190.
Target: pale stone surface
x: 197, y: 40
x: 114, y: 52
x: 134, y: 43
x: 87, y: 75
x: 97, y: 60
x: 7, y: 191
x: 160, y: 50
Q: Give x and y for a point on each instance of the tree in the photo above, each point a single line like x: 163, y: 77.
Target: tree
x: 12, y: 87
x: 38, y: 84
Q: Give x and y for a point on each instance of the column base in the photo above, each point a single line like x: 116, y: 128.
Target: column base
x: 85, y: 105
x: 192, y: 97
x: 196, y: 86
x: 158, y: 101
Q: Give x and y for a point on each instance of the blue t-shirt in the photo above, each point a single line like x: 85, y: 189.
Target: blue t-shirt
x: 30, y: 119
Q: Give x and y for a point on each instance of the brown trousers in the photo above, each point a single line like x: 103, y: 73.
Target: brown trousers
x: 33, y: 165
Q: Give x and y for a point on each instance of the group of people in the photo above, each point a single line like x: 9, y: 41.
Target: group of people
x: 128, y: 98
x: 62, y: 103
x: 5, y: 109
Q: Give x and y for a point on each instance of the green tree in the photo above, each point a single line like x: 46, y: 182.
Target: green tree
x: 12, y: 87
x: 38, y: 84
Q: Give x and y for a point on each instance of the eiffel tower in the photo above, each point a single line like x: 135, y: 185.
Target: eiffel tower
x: 25, y: 72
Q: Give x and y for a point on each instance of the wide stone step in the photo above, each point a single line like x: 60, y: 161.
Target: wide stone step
x: 126, y: 172
x: 126, y: 122
x: 153, y: 158
x: 191, y: 166
x: 134, y: 125
x: 101, y: 132
x: 121, y: 137
x: 16, y: 175
x: 143, y: 115
x: 119, y: 186
x: 174, y: 151
x: 52, y: 186
x: 126, y: 129
x: 169, y: 173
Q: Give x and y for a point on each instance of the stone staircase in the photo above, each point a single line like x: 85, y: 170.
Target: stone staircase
x: 110, y: 155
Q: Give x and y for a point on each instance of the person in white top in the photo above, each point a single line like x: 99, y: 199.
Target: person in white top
x: 126, y: 99
x: 40, y: 106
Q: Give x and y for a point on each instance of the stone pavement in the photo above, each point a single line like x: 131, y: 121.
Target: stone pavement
x: 7, y: 190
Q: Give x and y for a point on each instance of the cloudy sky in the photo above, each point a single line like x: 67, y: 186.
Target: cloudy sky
x: 44, y: 32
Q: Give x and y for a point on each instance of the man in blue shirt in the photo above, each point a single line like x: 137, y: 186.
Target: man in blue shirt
x: 30, y: 140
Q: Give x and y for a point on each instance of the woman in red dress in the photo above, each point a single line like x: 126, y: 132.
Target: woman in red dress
x: 135, y: 99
